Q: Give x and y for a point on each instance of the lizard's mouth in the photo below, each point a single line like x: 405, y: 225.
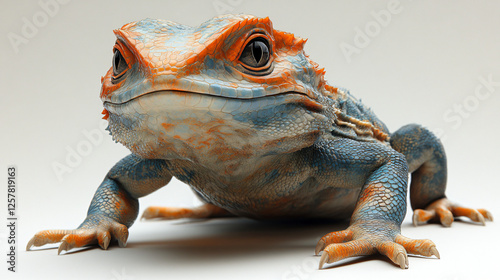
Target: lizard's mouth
x: 171, y: 123
x: 182, y: 92
x: 298, y: 97
x: 135, y: 88
x: 179, y: 107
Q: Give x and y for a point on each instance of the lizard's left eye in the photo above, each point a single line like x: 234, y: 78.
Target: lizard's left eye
x: 256, y: 55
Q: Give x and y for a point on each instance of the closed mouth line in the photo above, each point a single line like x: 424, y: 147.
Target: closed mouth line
x: 206, y: 94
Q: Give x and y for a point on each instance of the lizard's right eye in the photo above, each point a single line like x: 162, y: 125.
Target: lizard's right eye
x: 119, y: 65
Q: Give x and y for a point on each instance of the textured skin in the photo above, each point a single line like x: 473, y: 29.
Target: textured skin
x: 276, y: 142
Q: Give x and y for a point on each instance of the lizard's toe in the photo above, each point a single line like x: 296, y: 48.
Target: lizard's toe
x: 171, y: 213
x: 444, y: 211
x: 89, y: 234
x: 421, y: 216
x: 339, y: 251
x: 395, y: 252
x: 445, y: 216
x: 46, y: 237
x: 486, y: 214
x: 166, y: 213
x: 333, y: 237
x: 103, y: 239
x: 423, y: 247
x: 120, y: 233
x: 367, y: 238
x: 470, y: 213
x: 78, y: 238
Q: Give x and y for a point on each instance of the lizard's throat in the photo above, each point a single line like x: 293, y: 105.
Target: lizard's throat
x: 211, y: 130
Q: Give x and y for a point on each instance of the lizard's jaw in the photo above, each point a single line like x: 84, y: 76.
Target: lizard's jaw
x: 209, y: 129
x: 166, y: 124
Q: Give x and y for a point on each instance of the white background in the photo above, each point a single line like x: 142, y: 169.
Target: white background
x: 417, y: 68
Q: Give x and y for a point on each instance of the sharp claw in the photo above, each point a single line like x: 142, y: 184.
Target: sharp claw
x: 490, y: 216
x: 486, y: 214
x: 120, y: 232
x: 63, y: 246
x: 319, y: 247
x: 481, y: 219
x: 414, y: 220
x: 402, y: 261
x: 30, y: 244
x: 324, y: 259
x: 435, y: 252
x: 105, y: 242
x: 122, y: 243
x: 122, y: 240
x: 148, y: 215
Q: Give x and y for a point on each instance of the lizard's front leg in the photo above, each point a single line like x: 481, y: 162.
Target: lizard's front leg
x: 376, y: 221
x: 114, y: 207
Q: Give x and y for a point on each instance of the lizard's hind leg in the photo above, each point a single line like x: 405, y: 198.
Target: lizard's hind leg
x: 204, y: 211
x: 427, y: 164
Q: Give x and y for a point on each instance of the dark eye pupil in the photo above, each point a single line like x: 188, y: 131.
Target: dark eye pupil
x: 117, y: 59
x: 119, y: 64
x: 256, y: 53
x: 258, y: 49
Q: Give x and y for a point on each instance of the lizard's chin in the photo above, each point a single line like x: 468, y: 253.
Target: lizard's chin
x: 211, y: 130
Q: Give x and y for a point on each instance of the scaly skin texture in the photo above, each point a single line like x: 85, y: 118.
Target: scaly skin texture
x: 237, y: 111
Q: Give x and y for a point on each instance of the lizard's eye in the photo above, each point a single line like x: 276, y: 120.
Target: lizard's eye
x: 256, y: 55
x: 119, y: 65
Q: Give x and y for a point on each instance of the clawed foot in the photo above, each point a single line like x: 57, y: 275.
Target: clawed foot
x: 444, y: 211
x: 369, y: 238
x: 172, y: 213
x: 101, y: 234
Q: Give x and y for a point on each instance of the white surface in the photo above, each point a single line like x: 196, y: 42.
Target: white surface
x: 428, y: 59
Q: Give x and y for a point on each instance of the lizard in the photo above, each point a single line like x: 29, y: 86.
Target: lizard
x: 237, y: 111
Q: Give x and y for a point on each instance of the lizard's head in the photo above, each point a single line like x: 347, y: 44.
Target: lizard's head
x: 224, y: 87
